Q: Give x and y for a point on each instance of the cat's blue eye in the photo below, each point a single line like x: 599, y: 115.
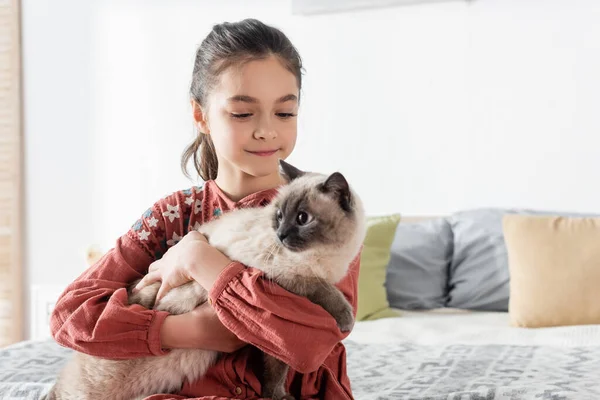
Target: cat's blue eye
x: 303, y: 218
x: 279, y: 215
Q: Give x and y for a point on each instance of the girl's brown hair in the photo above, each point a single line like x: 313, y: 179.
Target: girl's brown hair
x: 228, y: 44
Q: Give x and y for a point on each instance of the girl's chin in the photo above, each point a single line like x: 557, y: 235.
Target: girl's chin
x: 263, y: 174
x: 261, y: 167
x: 261, y: 171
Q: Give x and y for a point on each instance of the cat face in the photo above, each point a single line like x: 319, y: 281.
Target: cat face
x: 314, y: 211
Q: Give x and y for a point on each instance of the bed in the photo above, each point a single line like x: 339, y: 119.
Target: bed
x: 445, y: 353
x: 460, y: 355
x: 438, y: 354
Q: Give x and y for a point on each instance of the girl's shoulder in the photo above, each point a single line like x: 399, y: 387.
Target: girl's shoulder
x: 185, y: 197
x: 168, y: 220
x: 181, y: 202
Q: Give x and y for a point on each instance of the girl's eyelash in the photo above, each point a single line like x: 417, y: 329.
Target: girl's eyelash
x: 286, y: 115
x: 241, y: 116
x: 248, y: 115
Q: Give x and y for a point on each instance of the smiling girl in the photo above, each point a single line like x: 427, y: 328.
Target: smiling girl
x: 245, y: 95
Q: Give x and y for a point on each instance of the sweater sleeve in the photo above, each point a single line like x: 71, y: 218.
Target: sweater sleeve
x: 93, y: 314
x: 287, y: 326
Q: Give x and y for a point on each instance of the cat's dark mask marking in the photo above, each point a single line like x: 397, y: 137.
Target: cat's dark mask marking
x: 337, y: 186
x: 288, y: 171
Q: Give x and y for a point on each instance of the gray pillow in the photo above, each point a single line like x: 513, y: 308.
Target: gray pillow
x: 417, y: 275
x: 479, y: 277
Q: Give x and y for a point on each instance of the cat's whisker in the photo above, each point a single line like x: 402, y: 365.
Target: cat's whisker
x: 268, y: 262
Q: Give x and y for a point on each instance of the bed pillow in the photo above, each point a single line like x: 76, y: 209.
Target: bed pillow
x: 479, y: 276
x: 479, y: 273
x: 372, y: 300
x: 555, y: 270
x: 417, y: 275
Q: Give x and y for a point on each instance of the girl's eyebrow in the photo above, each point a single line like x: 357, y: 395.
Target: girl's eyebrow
x: 242, y: 98
x: 287, y: 97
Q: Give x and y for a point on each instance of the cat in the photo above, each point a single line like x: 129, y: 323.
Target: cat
x: 304, y: 240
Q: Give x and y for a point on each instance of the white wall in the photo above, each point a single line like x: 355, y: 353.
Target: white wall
x: 428, y: 109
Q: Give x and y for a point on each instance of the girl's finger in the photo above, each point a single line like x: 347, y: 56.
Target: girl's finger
x: 149, y: 279
x: 163, y: 290
x: 154, y: 266
x: 195, y: 235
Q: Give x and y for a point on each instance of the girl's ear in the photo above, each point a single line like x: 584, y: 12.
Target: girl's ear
x: 199, y: 118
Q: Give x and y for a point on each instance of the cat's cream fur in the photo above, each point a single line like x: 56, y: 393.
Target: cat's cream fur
x: 248, y: 236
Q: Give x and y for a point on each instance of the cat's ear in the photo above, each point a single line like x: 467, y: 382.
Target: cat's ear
x: 288, y: 171
x: 338, y: 186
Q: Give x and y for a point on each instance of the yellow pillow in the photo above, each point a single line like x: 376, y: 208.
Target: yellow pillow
x: 375, y: 256
x: 554, y: 267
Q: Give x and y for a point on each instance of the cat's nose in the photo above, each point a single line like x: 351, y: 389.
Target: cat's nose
x: 282, y: 235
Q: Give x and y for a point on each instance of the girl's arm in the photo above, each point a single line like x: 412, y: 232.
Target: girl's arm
x: 93, y: 315
x: 289, y: 327
x: 200, y: 328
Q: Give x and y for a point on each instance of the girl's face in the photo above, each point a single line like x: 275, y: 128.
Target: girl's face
x: 252, y: 117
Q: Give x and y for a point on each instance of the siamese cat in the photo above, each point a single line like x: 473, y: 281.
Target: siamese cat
x: 304, y: 240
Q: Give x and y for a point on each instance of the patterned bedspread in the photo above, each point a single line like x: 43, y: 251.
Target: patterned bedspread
x: 28, y: 369
x: 473, y: 372
x: 404, y: 370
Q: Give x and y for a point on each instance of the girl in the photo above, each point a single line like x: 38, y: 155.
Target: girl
x: 245, y: 92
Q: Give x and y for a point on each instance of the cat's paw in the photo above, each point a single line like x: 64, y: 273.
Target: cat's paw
x: 345, y: 319
x: 144, y: 297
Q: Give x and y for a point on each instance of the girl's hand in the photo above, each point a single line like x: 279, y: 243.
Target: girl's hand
x: 190, y: 259
x: 214, y: 335
x: 198, y: 329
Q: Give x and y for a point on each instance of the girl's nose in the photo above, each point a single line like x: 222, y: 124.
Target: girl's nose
x: 265, y: 131
x: 265, y: 134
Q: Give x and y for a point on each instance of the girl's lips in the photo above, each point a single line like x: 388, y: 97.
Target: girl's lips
x: 263, y: 153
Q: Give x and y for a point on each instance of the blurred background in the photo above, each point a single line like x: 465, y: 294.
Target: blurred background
x: 428, y: 108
